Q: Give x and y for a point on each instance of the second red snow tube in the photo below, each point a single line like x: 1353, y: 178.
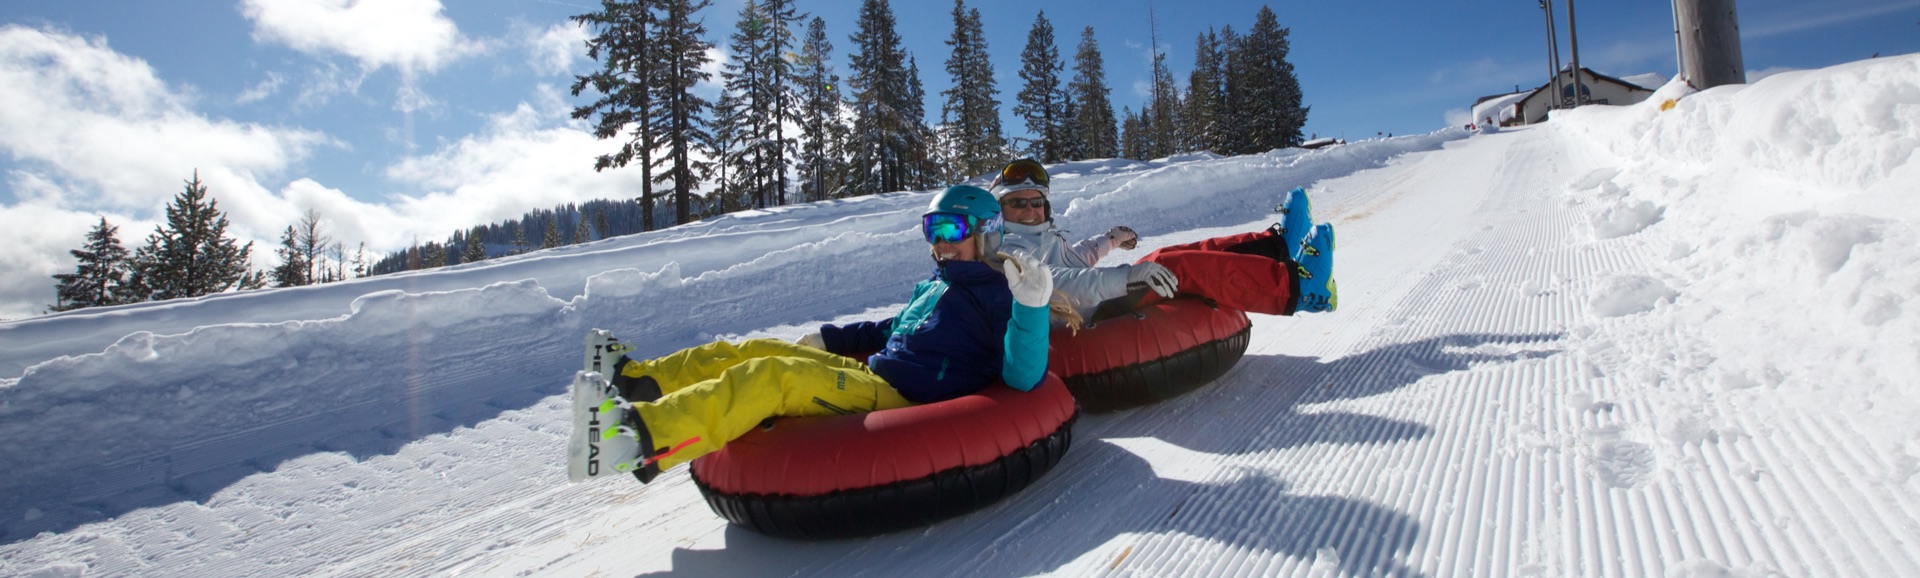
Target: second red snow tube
x: 864, y: 474
x: 1154, y: 354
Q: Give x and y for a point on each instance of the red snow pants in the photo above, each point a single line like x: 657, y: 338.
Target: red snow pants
x: 1242, y: 271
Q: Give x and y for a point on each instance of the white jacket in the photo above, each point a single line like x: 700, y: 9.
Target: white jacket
x: 1074, y: 273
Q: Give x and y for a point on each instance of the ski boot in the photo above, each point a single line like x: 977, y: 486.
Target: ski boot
x: 607, y: 436
x: 1296, y: 221
x: 1314, y: 272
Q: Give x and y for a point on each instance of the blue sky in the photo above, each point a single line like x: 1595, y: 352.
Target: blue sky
x: 402, y: 120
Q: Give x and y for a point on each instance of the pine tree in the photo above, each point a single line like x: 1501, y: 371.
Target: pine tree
x: 823, y: 152
x: 887, y: 138
x: 519, y: 238
x: 628, y: 82
x: 1262, y: 89
x: 757, y: 87
x: 681, y: 114
x: 191, y: 254
x: 293, y: 268
x: 476, y: 249
x: 434, y: 255
x: 1041, y: 102
x: 1133, y: 138
x: 974, y: 143
x: 580, y: 232
x: 101, y: 275
x: 552, y: 238
x: 923, y: 158
x: 1158, y: 118
x: 1200, y: 118
x: 1094, y: 121
x: 782, y: 96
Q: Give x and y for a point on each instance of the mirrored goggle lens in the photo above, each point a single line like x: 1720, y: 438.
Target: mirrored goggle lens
x: 945, y: 228
x: 1024, y: 172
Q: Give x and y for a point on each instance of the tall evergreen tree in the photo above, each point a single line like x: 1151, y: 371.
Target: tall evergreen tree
x: 294, y: 267
x: 476, y: 248
x: 1042, y: 102
x: 731, y: 170
x: 887, y: 138
x: 191, y: 254
x: 971, y: 117
x: 923, y: 169
x: 1094, y: 121
x: 1263, y: 88
x: 681, y: 114
x: 548, y: 241
x: 580, y: 232
x: 1200, y: 111
x: 1133, y: 137
x: 823, y: 152
x: 759, y: 81
x: 1158, y: 117
x: 101, y: 275
x: 628, y: 83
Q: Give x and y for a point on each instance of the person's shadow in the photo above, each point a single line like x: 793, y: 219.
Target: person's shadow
x: 1107, y: 497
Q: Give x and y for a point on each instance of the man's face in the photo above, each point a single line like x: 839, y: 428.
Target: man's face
x: 1024, y: 207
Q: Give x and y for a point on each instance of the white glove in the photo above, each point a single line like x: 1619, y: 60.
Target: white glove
x: 813, y: 340
x: 1157, y: 278
x: 1029, y: 280
x: 1123, y: 237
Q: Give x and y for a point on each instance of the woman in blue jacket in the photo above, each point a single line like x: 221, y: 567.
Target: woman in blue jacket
x: 981, y: 317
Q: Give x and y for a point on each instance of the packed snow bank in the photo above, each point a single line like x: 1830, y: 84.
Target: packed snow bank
x: 1785, y: 215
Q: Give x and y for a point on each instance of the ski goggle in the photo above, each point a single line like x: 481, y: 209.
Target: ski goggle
x: 1023, y: 171
x: 954, y: 227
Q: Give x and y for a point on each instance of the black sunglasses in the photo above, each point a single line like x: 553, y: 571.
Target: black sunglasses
x: 1025, y: 203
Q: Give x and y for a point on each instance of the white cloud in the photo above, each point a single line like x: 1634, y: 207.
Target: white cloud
x: 93, y: 132
x: 409, y: 35
x: 263, y: 90
x: 526, y: 159
x: 551, y: 51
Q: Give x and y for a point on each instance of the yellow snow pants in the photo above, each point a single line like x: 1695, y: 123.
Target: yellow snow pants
x: 716, y: 392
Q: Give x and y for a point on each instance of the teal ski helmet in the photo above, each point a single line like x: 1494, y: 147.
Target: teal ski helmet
x: 981, y: 209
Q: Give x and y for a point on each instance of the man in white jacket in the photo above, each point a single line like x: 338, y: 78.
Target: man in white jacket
x: 1022, y: 190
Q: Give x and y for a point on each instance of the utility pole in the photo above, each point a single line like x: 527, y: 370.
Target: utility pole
x: 1553, y: 57
x: 1573, y: 40
x: 1709, y: 39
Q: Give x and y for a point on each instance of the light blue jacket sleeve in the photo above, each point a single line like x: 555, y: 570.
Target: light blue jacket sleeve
x: 1026, y: 348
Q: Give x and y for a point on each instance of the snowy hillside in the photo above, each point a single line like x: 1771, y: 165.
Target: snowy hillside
x: 1625, y: 343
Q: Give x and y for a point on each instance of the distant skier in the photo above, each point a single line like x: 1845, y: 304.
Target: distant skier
x: 981, y: 317
x: 1284, y: 269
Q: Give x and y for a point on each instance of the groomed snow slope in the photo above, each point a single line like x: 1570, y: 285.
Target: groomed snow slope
x: 1624, y: 343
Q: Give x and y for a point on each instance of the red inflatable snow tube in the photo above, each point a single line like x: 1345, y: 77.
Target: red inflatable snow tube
x: 864, y: 474
x: 1154, y: 354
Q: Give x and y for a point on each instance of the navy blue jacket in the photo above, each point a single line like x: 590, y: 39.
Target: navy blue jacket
x: 961, y: 331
